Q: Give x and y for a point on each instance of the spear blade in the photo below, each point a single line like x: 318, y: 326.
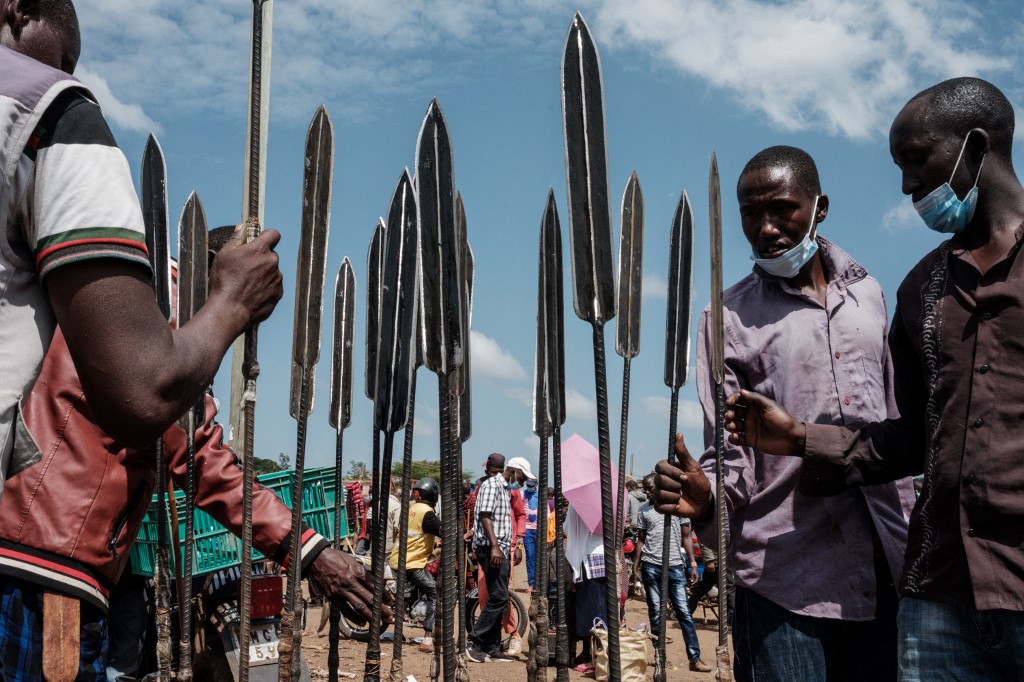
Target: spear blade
x: 680, y: 293
x: 541, y: 423
x: 374, y: 277
x: 396, y: 355
x: 311, y: 268
x: 344, y: 334
x: 587, y: 173
x: 717, y: 335
x: 192, y: 259
x: 631, y: 252
x: 467, y: 268
x: 155, y: 218
x: 439, y: 246
x: 554, y: 325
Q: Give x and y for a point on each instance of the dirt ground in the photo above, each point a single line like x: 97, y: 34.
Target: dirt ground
x: 417, y: 664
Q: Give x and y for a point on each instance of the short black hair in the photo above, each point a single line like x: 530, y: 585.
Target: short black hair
x: 958, y: 105
x: 218, y: 237
x: 649, y: 478
x: 783, y: 156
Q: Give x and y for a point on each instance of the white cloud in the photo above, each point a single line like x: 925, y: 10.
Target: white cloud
x: 690, y: 415
x: 122, y: 114
x: 900, y: 218
x: 655, y: 286
x: 843, y: 66
x: 492, y: 361
x: 579, y: 406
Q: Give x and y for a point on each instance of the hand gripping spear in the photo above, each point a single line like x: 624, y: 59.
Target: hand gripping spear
x: 154, y: 213
x: 677, y: 365
x: 395, y: 358
x: 441, y: 294
x: 723, y: 661
x: 628, y: 302
x: 590, y: 244
x: 340, y: 417
x: 244, y: 420
x: 553, y: 338
x: 309, y: 302
x: 192, y: 278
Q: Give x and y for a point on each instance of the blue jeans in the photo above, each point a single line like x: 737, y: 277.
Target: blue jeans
x: 938, y: 641
x: 651, y: 575
x: 776, y: 645
x: 530, y: 545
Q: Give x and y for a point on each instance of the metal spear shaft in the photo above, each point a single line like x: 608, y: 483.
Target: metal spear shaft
x: 192, y: 281
x: 259, y: 66
x: 339, y: 417
x: 593, y: 285
x: 154, y: 212
x: 393, y: 372
x: 677, y: 358
x: 723, y: 661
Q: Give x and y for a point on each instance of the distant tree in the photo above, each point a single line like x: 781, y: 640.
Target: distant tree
x: 266, y: 466
x: 356, y: 470
x: 284, y: 461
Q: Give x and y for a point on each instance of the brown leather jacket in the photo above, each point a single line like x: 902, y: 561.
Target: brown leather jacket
x: 75, y: 498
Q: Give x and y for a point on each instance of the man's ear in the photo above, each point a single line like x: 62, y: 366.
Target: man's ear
x: 17, y: 13
x: 822, y: 208
x: 979, y: 144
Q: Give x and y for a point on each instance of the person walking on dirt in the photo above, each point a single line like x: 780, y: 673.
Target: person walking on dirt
x: 424, y: 529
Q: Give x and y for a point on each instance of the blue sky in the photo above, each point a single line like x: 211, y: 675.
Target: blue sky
x: 681, y: 79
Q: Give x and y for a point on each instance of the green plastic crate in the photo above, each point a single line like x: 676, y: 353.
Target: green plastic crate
x: 214, y: 547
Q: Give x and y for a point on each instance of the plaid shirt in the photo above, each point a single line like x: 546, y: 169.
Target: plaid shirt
x: 493, y: 496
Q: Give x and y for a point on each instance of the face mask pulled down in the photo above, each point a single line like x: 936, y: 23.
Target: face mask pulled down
x: 789, y: 263
x: 942, y: 210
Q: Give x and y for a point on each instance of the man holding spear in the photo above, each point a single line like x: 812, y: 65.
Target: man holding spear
x: 807, y: 326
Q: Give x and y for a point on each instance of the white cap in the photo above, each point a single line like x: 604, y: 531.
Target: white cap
x: 521, y: 464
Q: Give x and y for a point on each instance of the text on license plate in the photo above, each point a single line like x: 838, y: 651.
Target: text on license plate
x: 263, y: 647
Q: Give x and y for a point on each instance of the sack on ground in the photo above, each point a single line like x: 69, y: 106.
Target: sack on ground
x: 632, y: 652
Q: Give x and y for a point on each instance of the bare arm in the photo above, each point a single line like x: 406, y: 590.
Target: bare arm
x: 687, y: 539
x: 139, y: 375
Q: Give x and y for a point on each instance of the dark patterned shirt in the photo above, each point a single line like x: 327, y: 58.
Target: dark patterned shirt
x: 494, y: 496
x: 957, y: 344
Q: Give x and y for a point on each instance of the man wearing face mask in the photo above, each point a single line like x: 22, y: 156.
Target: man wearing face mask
x: 957, y: 350
x: 814, y: 586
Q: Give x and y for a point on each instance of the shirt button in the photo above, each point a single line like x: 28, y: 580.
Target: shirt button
x: 978, y: 422
x: 970, y: 532
x: 986, y: 315
x: 969, y: 479
x: 983, y: 369
x: 846, y: 401
x: 838, y: 354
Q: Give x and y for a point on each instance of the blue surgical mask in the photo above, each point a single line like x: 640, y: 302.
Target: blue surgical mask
x: 789, y: 263
x: 514, y: 485
x: 942, y: 210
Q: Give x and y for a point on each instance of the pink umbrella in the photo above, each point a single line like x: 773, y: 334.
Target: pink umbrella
x: 581, y: 480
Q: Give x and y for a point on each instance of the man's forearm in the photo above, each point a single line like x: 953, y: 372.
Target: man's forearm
x: 492, y: 539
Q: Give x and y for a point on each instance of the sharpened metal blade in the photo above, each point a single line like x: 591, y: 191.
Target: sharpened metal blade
x: 155, y: 217
x: 398, y: 303
x: 631, y: 256
x: 192, y: 259
x: 440, y: 297
x: 374, y: 277
x: 680, y: 296
x: 541, y: 423
x: 311, y: 268
x: 717, y: 314
x: 554, y: 325
x: 586, y: 161
x: 467, y: 269
x: 344, y: 336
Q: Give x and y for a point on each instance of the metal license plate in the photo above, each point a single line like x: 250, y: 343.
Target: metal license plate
x: 263, y: 647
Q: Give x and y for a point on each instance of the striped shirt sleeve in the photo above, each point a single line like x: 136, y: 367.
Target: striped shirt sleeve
x: 82, y: 201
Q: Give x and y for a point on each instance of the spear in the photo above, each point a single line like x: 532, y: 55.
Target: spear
x: 442, y: 322
x: 244, y: 374
x: 723, y: 662
x: 628, y: 300
x: 339, y: 417
x: 374, y: 277
x: 464, y: 417
x: 395, y: 359
x: 309, y: 303
x: 536, y: 667
x: 192, y: 278
x: 677, y: 359
x: 154, y: 213
x: 592, y: 278
x: 554, y: 382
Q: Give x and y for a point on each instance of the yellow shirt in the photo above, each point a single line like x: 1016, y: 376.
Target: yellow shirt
x: 420, y: 544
